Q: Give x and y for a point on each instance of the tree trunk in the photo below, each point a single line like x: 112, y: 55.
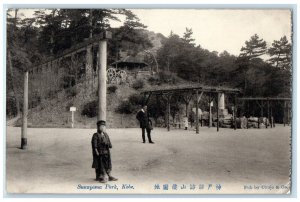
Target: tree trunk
x: 11, y: 64
x: 12, y: 82
x: 91, y: 23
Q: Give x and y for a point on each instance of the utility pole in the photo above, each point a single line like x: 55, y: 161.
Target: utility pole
x: 102, y: 61
x: 25, y: 113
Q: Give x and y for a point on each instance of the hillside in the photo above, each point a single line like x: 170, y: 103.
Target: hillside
x: 55, y: 112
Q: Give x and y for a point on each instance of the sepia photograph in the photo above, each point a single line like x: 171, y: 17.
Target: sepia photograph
x: 153, y: 101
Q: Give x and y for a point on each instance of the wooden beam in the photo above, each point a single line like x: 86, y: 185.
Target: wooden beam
x: 193, y: 88
x: 79, y: 47
x: 148, y: 98
x: 264, y: 98
x: 199, y: 97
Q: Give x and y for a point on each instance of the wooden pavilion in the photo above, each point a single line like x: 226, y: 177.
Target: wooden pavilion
x: 193, y: 91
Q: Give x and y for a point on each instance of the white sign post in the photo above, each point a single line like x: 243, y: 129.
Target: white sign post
x: 72, y: 109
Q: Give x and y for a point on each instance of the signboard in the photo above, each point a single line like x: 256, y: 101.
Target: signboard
x: 72, y: 109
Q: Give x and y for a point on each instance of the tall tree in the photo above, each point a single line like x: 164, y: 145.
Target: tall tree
x: 187, y: 36
x: 255, y: 47
x: 281, y: 53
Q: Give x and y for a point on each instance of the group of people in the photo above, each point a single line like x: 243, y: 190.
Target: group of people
x: 101, y: 146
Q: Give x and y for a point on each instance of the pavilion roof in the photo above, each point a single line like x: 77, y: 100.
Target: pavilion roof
x: 189, y: 88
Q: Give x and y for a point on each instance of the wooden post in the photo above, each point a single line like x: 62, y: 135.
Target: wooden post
x: 234, y: 112
x: 168, y: 111
x: 72, y: 119
x: 102, y: 62
x: 288, y: 114
x: 284, y: 106
x: 262, y: 109
x: 186, y: 109
x: 210, y: 117
x: 218, y: 112
x: 272, y: 119
x: 268, y: 108
x: 201, y: 120
x: 197, y: 112
x: 25, y: 113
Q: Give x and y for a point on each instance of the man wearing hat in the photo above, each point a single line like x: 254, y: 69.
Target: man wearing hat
x: 145, y: 123
x: 101, y: 154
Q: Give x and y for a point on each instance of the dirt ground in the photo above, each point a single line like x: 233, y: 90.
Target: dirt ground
x: 243, y: 161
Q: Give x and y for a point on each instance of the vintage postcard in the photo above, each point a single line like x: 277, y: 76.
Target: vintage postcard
x: 149, y: 101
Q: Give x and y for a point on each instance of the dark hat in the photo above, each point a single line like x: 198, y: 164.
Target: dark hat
x: 101, y: 122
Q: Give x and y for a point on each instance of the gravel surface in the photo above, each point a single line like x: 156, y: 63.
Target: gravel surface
x: 240, y: 161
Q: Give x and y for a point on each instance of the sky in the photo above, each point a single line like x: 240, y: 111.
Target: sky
x: 216, y: 29
x: 219, y: 30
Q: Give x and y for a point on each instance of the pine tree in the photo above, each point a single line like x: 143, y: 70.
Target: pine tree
x: 255, y: 47
x: 281, y: 52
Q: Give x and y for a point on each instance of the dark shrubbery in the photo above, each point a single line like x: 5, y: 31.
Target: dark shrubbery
x: 163, y: 77
x: 153, y: 80
x: 71, y: 92
x: 131, y: 105
x: 35, y: 100
x: 11, y: 107
x: 136, y: 99
x: 70, y: 104
x: 167, y: 78
x: 138, y: 84
x: 125, y: 107
x: 112, y: 89
x: 90, y: 109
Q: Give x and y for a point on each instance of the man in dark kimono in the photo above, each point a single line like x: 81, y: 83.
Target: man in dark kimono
x: 101, y: 154
x: 145, y: 123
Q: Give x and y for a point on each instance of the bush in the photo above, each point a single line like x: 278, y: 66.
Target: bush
x: 131, y: 105
x: 167, y: 78
x: 90, y: 109
x: 71, y: 92
x: 112, y: 89
x: 11, y: 107
x: 125, y: 107
x: 35, y: 100
x: 138, y: 84
x: 153, y: 80
x: 136, y: 99
x: 70, y: 104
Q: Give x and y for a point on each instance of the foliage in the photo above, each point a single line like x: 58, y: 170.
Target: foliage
x: 250, y: 72
x: 136, y: 99
x: 90, y: 109
x: 11, y: 108
x: 125, y: 107
x: 254, y: 48
x: 281, y: 52
x: 35, y: 99
x: 71, y: 92
x: 138, y: 84
x: 112, y: 89
x: 131, y: 105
